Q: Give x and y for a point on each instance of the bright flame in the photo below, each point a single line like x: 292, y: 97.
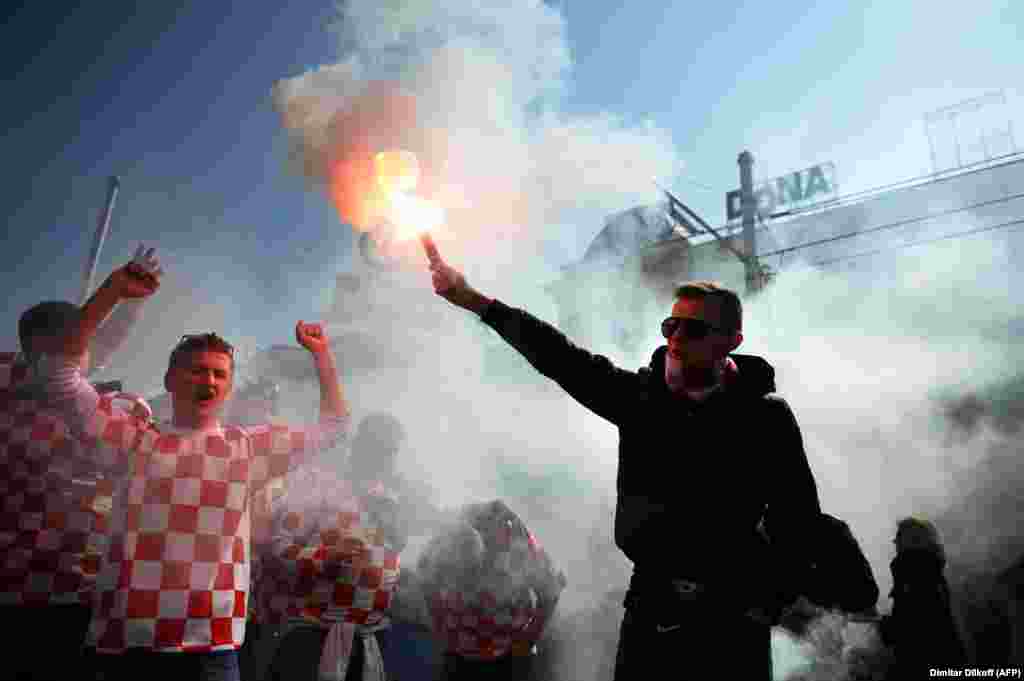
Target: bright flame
x: 398, y: 175
x: 397, y: 171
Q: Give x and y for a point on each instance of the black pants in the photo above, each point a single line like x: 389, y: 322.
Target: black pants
x: 696, y: 643
x: 298, y: 655
x: 43, y: 643
x: 147, y: 665
x: 455, y: 668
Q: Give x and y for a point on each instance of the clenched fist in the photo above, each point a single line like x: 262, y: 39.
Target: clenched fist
x: 312, y: 337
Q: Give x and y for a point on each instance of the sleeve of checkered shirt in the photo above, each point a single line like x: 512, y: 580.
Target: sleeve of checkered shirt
x: 91, y: 417
x: 278, y: 448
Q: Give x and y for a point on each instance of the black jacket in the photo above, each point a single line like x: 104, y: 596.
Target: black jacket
x: 694, y: 478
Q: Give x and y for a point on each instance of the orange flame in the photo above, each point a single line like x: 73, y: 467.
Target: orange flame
x: 398, y: 173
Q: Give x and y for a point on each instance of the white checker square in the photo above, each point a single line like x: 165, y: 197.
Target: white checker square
x: 185, y: 491
x: 211, y: 520
x: 197, y: 632
x: 223, y: 602
x: 174, y: 604
x: 237, y: 492
x: 153, y: 517
x: 201, y: 575
x: 146, y: 574
x: 180, y: 547
x: 241, y: 575
x: 215, y: 468
x: 140, y: 632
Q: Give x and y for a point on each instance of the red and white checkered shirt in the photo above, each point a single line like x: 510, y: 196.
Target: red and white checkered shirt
x: 504, y: 611
x: 334, y: 553
x: 176, y: 575
x: 54, y: 502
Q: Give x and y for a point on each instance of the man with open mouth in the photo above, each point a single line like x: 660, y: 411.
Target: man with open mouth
x: 172, y: 594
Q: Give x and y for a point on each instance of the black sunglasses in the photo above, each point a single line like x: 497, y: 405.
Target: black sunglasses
x: 694, y: 329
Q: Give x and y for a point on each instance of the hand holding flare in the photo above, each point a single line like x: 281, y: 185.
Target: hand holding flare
x: 449, y: 283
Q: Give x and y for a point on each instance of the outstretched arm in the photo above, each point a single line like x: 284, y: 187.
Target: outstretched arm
x: 116, y: 329
x: 592, y: 380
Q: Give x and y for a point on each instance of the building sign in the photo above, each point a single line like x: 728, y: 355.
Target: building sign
x: 811, y: 185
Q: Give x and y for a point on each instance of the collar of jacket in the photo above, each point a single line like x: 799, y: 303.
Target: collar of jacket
x: 754, y: 375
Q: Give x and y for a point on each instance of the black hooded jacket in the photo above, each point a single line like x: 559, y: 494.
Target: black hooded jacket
x: 694, y: 478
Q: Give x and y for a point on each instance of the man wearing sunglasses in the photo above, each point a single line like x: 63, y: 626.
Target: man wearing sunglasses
x: 705, y: 449
x: 172, y: 594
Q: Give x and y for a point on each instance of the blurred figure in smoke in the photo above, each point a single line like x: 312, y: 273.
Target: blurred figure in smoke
x: 172, y: 593
x: 840, y: 578
x: 921, y: 627
x: 490, y: 590
x: 55, y: 507
x: 704, y: 450
x: 329, y: 578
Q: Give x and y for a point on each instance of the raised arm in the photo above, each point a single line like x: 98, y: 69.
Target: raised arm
x: 592, y: 380
x: 280, y: 448
x: 118, y: 326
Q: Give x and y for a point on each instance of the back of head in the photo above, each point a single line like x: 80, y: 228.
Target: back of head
x: 375, y: 445
x: 918, y: 534
x: 43, y: 323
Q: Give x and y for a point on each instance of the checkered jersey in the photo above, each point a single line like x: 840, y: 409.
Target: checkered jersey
x: 176, y: 574
x: 334, y: 554
x: 53, y: 502
x: 503, y: 609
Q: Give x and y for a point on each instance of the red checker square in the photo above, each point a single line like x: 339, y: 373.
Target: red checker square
x: 150, y: 546
x: 221, y: 631
x: 238, y: 470
x: 113, y: 433
x: 175, y: 575
x: 225, y: 578
x: 261, y: 441
x: 239, y: 609
x: 168, y: 444
x: 113, y: 636
x: 233, y: 434
x: 358, y: 615
x: 391, y: 562
x: 124, y: 575
x: 200, y: 604
x: 169, y: 633
x: 116, y: 552
x: 132, y: 517
x: 238, y: 550
x: 344, y: 595
x: 232, y: 519
x: 42, y: 430
x: 189, y: 466
x: 213, y: 493
x: 381, y: 600
x: 183, y: 518
x: 217, y: 446
x: 55, y: 520
x: 143, y: 603
x: 207, y: 548
x: 158, y: 491
x: 371, y: 578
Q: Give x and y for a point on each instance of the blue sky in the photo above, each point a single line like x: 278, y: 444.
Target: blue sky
x: 176, y: 100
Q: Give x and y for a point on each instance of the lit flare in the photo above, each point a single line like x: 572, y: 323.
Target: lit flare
x: 398, y: 174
